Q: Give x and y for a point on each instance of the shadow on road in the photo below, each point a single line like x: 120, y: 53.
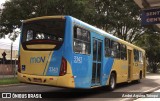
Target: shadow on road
x: 100, y: 92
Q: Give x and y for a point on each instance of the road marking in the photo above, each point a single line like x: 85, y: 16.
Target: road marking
x: 21, y: 86
x: 145, y: 92
x: 153, y: 89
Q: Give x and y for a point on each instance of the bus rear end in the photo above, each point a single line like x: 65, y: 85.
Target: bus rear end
x: 41, y: 59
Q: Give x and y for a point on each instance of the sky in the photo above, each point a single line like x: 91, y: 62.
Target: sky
x: 5, y: 43
x: 2, y: 1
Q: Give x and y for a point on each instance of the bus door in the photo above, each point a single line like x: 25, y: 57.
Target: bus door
x: 97, y: 62
x: 129, y: 64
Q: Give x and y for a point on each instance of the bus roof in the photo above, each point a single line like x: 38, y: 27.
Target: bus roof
x: 102, y: 32
x: 89, y: 27
x: 43, y: 17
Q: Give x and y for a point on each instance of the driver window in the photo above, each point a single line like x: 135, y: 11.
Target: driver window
x: 29, y: 35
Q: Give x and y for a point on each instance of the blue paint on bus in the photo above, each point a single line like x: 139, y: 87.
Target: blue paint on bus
x: 81, y: 64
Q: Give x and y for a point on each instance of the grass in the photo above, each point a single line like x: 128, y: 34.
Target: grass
x: 5, y: 81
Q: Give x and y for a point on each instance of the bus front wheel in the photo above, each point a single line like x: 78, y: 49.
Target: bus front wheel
x: 112, y: 81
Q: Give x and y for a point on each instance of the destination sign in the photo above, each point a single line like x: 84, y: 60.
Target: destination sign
x: 150, y: 16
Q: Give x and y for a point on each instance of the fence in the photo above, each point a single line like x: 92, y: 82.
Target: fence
x: 8, y: 70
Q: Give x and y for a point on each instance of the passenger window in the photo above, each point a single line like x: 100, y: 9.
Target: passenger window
x: 138, y: 56
x: 81, y: 41
x: 115, y: 49
x: 123, y: 51
x: 107, y: 47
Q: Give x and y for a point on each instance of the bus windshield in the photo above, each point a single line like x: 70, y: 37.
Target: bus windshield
x: 44, y: 31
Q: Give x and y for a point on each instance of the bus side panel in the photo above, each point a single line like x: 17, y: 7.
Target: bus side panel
x: 137, y: 68
x: 107, y: 67
x: 121, y: 68
x: 68, y: 80
x: 81, y: 67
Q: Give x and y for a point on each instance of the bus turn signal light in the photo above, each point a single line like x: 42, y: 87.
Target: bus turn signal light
x: 63, y: 68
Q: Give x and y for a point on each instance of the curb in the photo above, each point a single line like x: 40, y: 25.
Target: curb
x: 11, y: 85
x: 145, y: 92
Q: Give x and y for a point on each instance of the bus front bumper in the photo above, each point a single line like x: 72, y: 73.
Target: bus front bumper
x: 60, y: 81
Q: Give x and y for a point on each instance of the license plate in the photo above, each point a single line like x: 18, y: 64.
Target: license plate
x: 37, y: 80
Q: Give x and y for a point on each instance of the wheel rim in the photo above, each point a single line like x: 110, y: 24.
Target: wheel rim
x: 112, y: 82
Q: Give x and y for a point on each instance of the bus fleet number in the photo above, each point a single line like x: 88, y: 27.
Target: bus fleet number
x: 77, y: 59
x: 53, y: 69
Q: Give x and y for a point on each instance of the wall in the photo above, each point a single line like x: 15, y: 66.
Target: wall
x: 7, y: 69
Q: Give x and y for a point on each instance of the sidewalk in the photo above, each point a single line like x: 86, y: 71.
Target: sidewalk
x: 156, y: 94
x: 7, y: 76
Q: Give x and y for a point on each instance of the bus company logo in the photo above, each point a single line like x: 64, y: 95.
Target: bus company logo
x: 6, y: 95
x: 37, y: 59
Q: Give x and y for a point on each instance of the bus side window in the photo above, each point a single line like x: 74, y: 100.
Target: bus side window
x: 136, y: 55
x: 112, y: 50
x: 78, y: 33
x: 115, y: 49
x: 81, y: 41
x: 140, y: 56
x: 123, y: 51
x: 107, y: 47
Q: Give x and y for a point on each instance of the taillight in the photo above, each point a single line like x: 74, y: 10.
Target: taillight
x: 63, y: 69
x: 19, y: 64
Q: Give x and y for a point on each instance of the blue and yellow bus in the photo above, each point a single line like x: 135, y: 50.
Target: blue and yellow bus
x: 63, y: 51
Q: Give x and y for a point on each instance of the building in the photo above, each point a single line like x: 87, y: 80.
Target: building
x: 150, y: 4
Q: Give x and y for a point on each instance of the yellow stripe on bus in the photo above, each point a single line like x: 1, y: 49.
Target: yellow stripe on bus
x: 43, y: 17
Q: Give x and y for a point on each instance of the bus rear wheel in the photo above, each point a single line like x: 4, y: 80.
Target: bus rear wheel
x: 112, y: 81
x: 140, y: 77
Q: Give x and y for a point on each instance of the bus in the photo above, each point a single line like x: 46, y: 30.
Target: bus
x: 63, y: 51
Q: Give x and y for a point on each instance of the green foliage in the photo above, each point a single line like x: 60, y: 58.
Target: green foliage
x: 5, y: 81
x: 118, y: 17
x: 121, y: 18
x: 14, y: 11
x: 150, y: 42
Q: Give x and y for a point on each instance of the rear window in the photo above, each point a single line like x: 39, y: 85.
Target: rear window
x: 45, y: 31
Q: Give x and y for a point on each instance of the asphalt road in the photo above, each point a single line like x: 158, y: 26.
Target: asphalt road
x: 150, y: 83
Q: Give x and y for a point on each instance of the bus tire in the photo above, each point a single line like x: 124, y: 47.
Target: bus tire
x: 112, y: 81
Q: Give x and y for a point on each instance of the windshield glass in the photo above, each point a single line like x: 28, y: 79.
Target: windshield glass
x: 44, y: 31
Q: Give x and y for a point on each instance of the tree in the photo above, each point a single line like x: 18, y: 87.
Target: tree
x: 150, y: 42
x: 14, y: 11
x: 120, y: 17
